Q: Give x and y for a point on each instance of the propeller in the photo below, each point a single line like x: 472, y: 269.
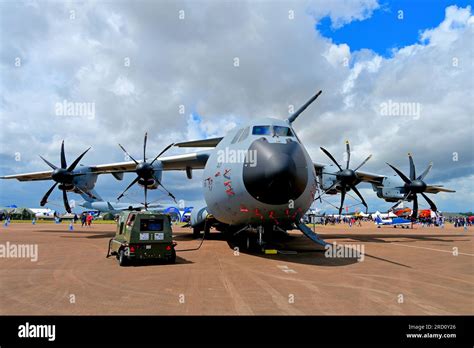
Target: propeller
x: 145, y: 172
x: 346, y: 178
x: 413, y: 186
x: 63, y: 176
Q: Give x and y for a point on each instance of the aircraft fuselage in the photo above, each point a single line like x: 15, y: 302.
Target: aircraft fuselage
x: 259, y: 174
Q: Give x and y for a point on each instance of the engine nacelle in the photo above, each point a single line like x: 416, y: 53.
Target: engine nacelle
x: 87, y: 180
x: 327, y: 180
x: 198, y: 215
x: 391, y: 190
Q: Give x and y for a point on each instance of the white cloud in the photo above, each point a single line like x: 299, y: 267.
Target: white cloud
x: 189, y: 62
x: 123, y: 87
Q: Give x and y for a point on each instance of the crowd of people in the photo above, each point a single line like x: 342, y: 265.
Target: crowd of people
x: 351, y: 221
x: 438, y: 221
x: 460, y: 221
x: 86, y: 219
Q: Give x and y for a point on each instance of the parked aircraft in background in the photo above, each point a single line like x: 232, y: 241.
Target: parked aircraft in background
x: 395, y: 222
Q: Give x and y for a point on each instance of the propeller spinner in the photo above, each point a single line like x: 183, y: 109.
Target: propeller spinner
x: 145, y: 172
x: 346, y: 178
x: 413, y: 186
x: 63, y: 175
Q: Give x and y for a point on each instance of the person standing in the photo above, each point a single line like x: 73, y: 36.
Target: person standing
x: 89, y: 220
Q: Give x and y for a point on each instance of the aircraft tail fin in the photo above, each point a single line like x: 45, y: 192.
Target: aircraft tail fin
x: 378, y: 220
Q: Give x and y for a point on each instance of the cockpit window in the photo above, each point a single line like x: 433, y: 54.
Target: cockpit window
x: 282, y: 131
x: 261, y: 130
x: 244, y: 134
x: 272, y: 130
x: 237, y: 136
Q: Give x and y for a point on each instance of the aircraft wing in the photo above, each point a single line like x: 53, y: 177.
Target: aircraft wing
x: 211, y: 142
x: 370, y: 177
x: 195, y: 160
x: 35, y: 176
x: 437, y: 188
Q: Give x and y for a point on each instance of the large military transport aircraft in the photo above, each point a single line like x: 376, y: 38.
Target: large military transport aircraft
x: 258, y: 177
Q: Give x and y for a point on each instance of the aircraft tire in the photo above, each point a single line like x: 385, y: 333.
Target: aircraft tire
x: 196, y: 232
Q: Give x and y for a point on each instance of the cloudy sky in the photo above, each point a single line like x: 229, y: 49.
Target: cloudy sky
x: 196, y: 69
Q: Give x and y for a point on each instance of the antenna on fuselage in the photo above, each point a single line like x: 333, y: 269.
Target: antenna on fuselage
x: 303, y: 108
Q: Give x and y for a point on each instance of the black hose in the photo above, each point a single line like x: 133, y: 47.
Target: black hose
x: 108, y: 250
x: 202, y: 241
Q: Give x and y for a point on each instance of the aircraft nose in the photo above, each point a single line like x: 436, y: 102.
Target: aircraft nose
x: 279, y: 172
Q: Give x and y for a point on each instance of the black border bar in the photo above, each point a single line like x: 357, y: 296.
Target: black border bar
x: 219, y: 330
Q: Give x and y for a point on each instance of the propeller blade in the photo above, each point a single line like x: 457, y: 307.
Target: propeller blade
x: 330, y: 188
x: 330, y: 156
x: 348, y: 152
x: 63, y: 157
x: 169, y: 193
x: 49, y: 163
x: 361, y: 198
x: 75, y: 163
x: 414, y: 214
x: 365, y: 161
x: 66, y: 202
x: 427, y: 170
x: 144, y: 147
x: 146, y: 192
x: 400, y: 174
x: 162, y: 152
x: 44, y: 200
x: 400, y: 201
x: 343, y: 195
x: 412, y: 168
x: 131, y: 184
x: 430, y: 202
x: 123, y: 149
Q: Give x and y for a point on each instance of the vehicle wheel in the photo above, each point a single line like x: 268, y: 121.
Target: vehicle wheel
x: 196, y: 232
x: 172, y: 258
x: 123, y: 260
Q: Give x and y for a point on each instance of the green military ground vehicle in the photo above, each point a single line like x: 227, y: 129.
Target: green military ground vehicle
x: 143, y: 235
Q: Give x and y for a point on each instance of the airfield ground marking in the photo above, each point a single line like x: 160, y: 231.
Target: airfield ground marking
x: 443, y: 251
x: 285, y: 269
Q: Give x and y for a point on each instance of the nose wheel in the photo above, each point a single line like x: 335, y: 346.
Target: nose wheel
x: 260, y: 232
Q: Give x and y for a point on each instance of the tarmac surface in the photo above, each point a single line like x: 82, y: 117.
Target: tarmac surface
x: 401, y: 272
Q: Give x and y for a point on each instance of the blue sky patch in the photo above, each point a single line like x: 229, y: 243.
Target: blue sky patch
x: 384, y: 31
